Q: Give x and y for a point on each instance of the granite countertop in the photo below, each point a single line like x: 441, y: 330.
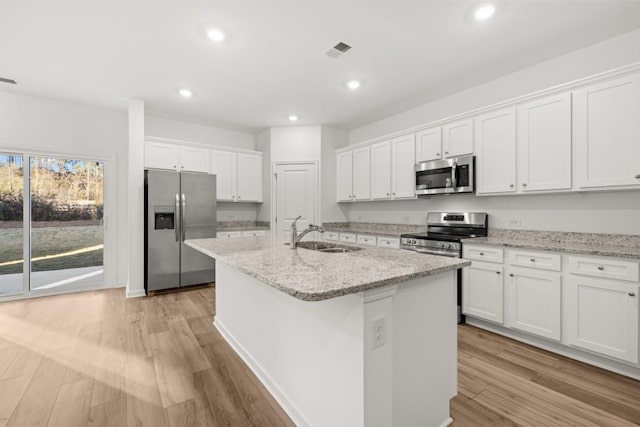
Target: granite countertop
x: 613, y: 245
x: 314, y: 276
x: 378, y: 229
x: 242, y: 225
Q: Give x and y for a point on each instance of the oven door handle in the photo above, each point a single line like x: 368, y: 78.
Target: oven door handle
x: 430, y: 252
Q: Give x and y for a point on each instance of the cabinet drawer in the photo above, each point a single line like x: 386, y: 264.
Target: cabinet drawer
x: 541, y: 260
x: 388, y: 242
x: 228, y: 234
x: 251, y: 233
x: 482, y: 253
x: 364, y: 239
x: 348, y: 237
x: 604, y: 267
x: 331, y: 235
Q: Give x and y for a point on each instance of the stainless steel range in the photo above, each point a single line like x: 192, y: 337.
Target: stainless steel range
x: 445, y: 230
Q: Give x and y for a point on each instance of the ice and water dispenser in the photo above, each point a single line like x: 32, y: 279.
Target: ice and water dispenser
x: 164, y: 217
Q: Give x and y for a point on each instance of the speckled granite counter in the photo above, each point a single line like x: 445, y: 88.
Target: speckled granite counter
x: 242, y: 225
x: 613, y: 245
x: 378, y: 229
x: 313, y: 276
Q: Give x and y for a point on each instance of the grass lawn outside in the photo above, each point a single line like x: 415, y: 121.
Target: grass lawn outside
x: 51, y: 241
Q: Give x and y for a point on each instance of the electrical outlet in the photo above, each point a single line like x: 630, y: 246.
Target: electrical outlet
x: 515, y: 222
x: 379, y: 332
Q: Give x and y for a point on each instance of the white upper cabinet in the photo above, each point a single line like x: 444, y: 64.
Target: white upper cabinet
x: 160, y: 155
x: 457, y: 138
x: 362, y: 174
x: 429, y: 145
x: 249, y: 181
x: 403, y: 178
x: 544, y: 144
x: 223, y: 165
x: 238, y: 176
x: 194, y: 159
x: 381, y: 170
x: 344, y: 179
x: 607, y: 134
x: 496, y: 152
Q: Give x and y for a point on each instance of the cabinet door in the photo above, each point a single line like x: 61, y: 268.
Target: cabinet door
x: 161, y: 156
x: 381, y: 170
x: 607, y: 134
x: 249, y: 180
x: 429, y: 145
x: 482, y: 291
x: 223, y: 165
x: 194, y: 159
x: 362, y: 173
x: 457, y: 138
x: 533, y: 302
x: 496, y: 152
x: 544, y: 144
x: 344, y: 179
x: 602, y: 316
x: 403, y: 176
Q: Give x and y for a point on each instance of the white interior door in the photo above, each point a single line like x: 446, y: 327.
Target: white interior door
x: 296, y: 194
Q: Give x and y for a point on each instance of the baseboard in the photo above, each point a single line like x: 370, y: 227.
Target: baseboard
x: 283, y: 400
x: 136, y: 293
x: 447, y: 422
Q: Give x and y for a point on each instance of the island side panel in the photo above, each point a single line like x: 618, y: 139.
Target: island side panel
x: 307, y: 354
x: 424, y: 350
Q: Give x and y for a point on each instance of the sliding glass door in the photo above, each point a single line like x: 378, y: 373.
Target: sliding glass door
x: 12, y: 240
x: 53, y: 232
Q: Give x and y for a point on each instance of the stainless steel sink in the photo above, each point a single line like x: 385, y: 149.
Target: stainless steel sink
x: 331, y: 248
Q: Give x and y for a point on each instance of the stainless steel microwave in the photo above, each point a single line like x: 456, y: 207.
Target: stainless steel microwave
x: 447, y: 176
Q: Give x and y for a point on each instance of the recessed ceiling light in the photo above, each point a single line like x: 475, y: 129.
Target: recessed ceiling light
x: 484, y: 12
x: 353, y: 84
x: 216, y: 35
x: 185, y: 93
x: 293, y: 117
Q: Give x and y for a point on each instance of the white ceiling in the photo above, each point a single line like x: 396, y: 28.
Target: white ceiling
x: 273, y: 63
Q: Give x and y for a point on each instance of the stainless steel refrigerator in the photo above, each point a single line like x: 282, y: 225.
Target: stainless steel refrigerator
x: 178, y: 206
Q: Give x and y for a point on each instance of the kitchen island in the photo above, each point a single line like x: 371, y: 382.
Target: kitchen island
x: 362, y: 338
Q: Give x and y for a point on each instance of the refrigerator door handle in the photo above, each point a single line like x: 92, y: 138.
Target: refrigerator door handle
x: 175, y: 225
x: 184, y: 213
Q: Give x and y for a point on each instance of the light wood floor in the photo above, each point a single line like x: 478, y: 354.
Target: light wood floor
x: 96, y: 358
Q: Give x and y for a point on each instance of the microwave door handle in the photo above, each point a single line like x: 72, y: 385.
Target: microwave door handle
x: 453, y: 173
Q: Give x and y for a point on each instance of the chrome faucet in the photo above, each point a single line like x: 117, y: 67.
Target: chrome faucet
x: 295, y: 238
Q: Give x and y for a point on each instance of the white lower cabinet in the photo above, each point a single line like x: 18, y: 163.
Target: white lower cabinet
x: 534, y: 302
x: 483, y: 290
x: 602, y: 316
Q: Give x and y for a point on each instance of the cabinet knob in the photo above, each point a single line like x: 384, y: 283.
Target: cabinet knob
x: 394, y: 194
x: 497, y: 272
x: 532, y: 260
x: 524, y: 184
x: 632, y: 294
x: 481, y: 253
x: 510, y: 274
x: 600, y: 267
x: 387, y: 194
x: 175, y: 166
x: 437, y: 154
x: 238, y: 197
x: 511, y: 185
x: 638, y: 176
x: 446, y: 152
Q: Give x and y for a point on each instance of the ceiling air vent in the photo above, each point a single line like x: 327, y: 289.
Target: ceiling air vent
x: 10, y: 81
x: 338, y: 50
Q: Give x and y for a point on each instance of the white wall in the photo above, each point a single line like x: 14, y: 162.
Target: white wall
x: 45, y: 126
x: 613, y: 212
x: 295, y: 143
x: 331, y: 140
x: 598, y: 212
x: 175, y: 129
